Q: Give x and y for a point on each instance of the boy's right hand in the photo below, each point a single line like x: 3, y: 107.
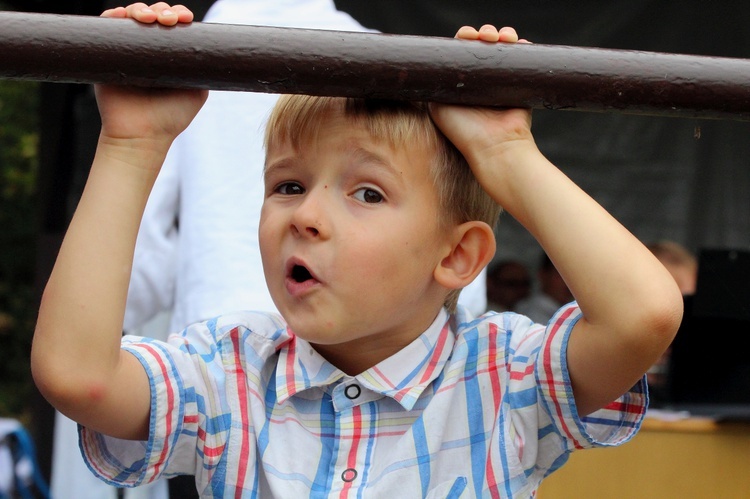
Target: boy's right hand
x: 76, y: 358
x: 153, y: 116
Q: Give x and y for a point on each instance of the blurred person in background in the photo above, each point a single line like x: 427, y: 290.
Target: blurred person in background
x: 508, y: 282
x: 551, y: 292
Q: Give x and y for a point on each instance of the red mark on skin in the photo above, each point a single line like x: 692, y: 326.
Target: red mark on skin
x: 96, y: 392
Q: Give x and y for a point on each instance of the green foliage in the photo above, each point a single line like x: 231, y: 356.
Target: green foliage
x: 18, y: 172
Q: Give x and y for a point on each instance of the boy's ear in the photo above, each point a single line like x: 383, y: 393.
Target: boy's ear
x: 472, y: 249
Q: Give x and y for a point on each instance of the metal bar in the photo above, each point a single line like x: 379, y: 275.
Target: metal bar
x: 88, y: 49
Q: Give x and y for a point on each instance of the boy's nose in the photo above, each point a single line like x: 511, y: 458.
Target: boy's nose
x: 308, y: 218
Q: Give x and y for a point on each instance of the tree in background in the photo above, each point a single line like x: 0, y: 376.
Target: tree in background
x: 18, y: 173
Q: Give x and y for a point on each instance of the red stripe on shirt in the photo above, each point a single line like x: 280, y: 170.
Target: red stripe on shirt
x: 556, y: 328
x: 496, y: 397
x: 431, y: 364
x: 170, y: 405
x: 351, y: 461
x: 244, y: 417
x: 289, y: 368
x: 436, y: 353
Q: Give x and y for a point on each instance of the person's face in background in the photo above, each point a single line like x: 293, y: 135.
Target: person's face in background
x: 553, y: 285
x: 508, y: 284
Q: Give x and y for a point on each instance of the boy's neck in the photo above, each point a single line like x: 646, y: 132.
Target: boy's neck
x: 356, y: 357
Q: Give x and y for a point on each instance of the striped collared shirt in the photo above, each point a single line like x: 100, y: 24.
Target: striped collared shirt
x: 472, y: 408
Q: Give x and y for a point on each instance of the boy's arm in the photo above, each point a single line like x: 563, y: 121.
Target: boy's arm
x: 76, y: 358
x: 631, y: 305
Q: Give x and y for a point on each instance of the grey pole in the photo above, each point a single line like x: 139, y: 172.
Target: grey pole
x: 89, y: 49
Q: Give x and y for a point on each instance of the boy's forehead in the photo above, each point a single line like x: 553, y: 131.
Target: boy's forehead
x: 301, y: 124
x: 354, y: 141
x: 353, y: 149
x: 302, y: 117
x: 350, y: 129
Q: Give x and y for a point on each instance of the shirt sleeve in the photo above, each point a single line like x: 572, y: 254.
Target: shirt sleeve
x: 185, y: 379
x: 612, y: 425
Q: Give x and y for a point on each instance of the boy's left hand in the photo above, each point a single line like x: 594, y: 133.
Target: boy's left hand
x: 476, y: 131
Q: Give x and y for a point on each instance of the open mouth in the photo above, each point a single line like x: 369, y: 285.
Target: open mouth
x: 300, y: 274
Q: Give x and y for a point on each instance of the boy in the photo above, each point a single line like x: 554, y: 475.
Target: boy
x: 369, y: 382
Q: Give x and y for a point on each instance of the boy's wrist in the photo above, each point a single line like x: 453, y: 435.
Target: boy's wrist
x: 504, y: 157
x: 508, y: 168
x: 142, y: 153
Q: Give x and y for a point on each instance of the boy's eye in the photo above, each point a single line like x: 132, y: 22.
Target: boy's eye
x: 367, y: 195
x: 289, y: 189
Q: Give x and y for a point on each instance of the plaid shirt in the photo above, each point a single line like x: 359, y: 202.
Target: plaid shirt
x: 472, y: 408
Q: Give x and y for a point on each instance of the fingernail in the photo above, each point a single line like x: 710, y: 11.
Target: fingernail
x: 166, y: 12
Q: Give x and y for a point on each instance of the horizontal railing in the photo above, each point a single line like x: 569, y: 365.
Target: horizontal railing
x: 89, y: 49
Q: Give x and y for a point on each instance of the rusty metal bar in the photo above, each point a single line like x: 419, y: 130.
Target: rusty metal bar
x: 88, y: 49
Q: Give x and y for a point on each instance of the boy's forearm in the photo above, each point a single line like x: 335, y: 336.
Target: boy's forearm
x: 590, y: 248
x: 76, y: 350
x: 630, y: 303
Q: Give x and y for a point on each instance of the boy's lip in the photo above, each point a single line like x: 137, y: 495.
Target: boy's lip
x: 294, y: 286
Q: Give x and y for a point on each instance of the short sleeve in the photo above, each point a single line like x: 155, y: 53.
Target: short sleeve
x: 615, y: 424
x: 180, y: 390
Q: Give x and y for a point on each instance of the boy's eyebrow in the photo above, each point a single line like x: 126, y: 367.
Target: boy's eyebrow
x: 281, y: 164
x: 360, y: 154
x: 372, y: 158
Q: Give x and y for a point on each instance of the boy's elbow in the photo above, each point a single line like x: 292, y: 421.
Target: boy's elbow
x: 71, y: 395
x: 668, y: 319
x: 61, y: 382
x: 50, y: 378
x: 662, y: 315
x: 43, y: 360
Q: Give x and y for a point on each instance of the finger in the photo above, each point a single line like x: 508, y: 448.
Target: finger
x: 117, y: 12
x: 141, y: 12
x: 467, y: 33
x: 507, y: 35
x: 171, y: 15
x: 489, y: 33
x: 184, y: 14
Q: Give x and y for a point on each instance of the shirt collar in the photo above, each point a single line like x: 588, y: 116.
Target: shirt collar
x: 403, y: 376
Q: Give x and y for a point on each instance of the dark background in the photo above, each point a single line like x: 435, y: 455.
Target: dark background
x: 682, y: 179
x: 652, y: 173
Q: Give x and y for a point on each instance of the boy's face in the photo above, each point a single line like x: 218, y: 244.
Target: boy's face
x: 350, y: 238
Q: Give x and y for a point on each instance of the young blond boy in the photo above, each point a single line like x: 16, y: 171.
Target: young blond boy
x: 368, y: 382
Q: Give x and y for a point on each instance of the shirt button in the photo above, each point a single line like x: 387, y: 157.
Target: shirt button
x: 349, y: 475
x: 352, y: 391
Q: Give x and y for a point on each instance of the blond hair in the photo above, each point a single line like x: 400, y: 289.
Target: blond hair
x: 401, y: 124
